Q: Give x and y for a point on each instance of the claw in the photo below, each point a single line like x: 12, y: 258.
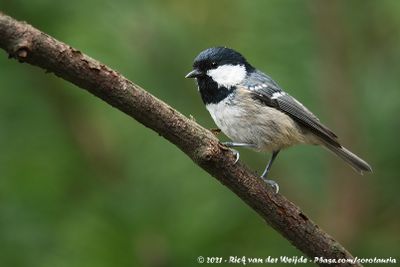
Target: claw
x: 273, y: 184
x: 237, y: 155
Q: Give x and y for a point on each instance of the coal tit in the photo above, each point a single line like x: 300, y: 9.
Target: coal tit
x: 253, y: 111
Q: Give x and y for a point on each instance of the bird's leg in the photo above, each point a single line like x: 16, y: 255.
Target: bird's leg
x: 266, y: 171
x: 234, y: 144
x: 269, y: 165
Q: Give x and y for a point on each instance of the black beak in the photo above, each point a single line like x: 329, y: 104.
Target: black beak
x: 194, y: 74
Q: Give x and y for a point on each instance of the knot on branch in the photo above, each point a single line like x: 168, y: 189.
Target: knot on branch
x: 207, y: 153
x: 21, y: 51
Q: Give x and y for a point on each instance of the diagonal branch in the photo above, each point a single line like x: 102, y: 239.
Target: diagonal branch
x: 27, y: 44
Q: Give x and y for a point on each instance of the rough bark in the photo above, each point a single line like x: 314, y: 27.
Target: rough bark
x: 27, y: 44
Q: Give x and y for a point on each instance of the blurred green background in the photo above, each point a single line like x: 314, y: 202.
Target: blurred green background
x: 82, y: 184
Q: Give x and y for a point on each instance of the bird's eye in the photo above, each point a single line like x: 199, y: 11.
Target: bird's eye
x: 213, y: 64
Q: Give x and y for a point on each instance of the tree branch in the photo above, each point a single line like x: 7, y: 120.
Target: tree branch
x: 27, y: 44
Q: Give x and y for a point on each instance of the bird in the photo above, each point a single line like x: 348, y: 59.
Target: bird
x: 253, y: 111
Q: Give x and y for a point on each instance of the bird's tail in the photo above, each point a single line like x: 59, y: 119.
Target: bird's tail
x: 353, y: 160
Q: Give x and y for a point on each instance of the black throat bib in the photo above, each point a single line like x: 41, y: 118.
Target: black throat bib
x: 210, y: 92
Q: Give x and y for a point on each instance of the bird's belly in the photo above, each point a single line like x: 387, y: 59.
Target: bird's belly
x: 267, y: 128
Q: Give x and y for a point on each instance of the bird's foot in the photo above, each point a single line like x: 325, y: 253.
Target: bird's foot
x: 228, y: 146
x: 272, y: 183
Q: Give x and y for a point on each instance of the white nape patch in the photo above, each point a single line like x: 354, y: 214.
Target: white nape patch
x: 228, y: 75
x: 277, y: 94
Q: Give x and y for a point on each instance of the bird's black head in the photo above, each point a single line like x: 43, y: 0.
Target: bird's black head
x: 218, y: 70
x: 215, y: 57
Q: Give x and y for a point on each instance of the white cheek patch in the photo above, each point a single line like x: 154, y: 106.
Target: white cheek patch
x: 228, y: 75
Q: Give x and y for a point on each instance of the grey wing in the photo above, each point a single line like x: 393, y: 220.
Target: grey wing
x: 269, y: 93
x: 257, y: 80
